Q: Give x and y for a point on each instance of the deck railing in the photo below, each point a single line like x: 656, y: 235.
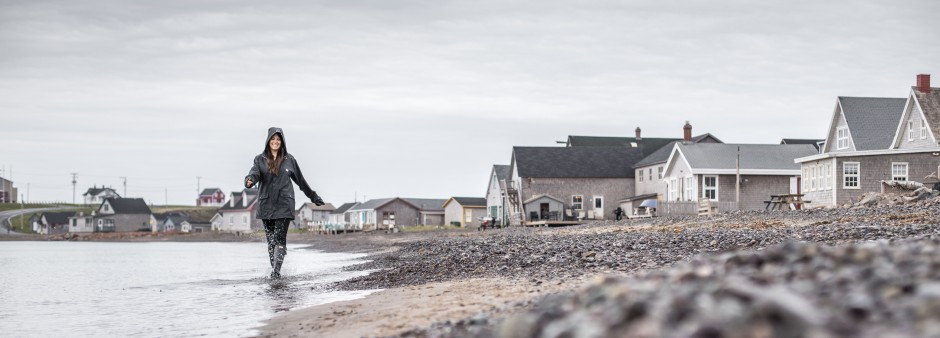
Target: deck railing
x: 690, y: 208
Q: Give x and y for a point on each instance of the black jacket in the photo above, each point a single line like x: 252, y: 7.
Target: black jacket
x: 276, y: 198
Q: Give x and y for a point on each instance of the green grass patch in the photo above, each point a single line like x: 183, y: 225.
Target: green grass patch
x: 21, y: 223
x: 17, y: 206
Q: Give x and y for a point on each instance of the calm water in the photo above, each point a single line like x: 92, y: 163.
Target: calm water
x: 69, y: 289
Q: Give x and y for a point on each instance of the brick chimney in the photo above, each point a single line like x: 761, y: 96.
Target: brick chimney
x: 687, y: 132
x: 923, y: 83
x: 638, y: 134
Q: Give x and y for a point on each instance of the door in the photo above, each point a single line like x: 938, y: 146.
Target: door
x: 544, y: 210
x: 599, y: 207
x: 793, y: 186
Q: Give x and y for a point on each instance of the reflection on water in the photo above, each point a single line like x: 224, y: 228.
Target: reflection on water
x: 157, y: 289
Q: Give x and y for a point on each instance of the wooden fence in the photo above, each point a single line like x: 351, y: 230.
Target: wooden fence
x: 679, y: 208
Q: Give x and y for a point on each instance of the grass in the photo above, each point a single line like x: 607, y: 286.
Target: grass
x: 16, y: 206
x: 426, y: 228
x: 21, y: 223
x: 196, y: 213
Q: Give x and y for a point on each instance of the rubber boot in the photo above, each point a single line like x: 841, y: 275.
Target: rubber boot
x: 279, y: 253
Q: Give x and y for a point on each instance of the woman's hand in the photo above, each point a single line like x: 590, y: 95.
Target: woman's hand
x: 248, y: 183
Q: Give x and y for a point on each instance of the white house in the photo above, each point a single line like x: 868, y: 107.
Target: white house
x: 96, y: 195
x: 496, y: 193
x: 312, y: 215
x: 339, y: 218
x: 238, y: 214
x: 81, y: 223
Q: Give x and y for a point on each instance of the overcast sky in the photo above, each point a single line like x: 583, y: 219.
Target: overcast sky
x: 418, y: 98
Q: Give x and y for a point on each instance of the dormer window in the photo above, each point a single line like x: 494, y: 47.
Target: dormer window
x: 633, y: 144
x: 910, y: 130
x: 842, y: 138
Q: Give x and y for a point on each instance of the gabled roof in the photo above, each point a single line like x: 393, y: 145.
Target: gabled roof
x: 314, y: 207
x: 178, y: 218
x: 372, y: 204
x: 61, y: 217
x: 94, y: 191
x: 536, y: 197
x: 705, y: 158
x: 647, y: 145
x: 872, y: 121
x: 343, y: 208
x: 502, y: 171
x: 209, y: 191
x: 930, y: 105
x: 252, y: 196
x: 428, y: 204
x: 467, y: 201
x: 658, y: 156
x: 128, y: 205
x: 575, y: 162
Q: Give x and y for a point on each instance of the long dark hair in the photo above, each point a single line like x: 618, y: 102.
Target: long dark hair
x: 274, y: 165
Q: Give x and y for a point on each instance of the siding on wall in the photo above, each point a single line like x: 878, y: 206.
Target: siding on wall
x: 405, y: 214
x: 917, y: 143
x: 494, y: 197
x: 874, y: 169
x: 128, y: 222
x: 821, y: 196
x: 654, y: 186
x: 612, y: 190
x: 535, y: 206
x: 452, y: 213
x: 833, y: 144
x: 755, y: 191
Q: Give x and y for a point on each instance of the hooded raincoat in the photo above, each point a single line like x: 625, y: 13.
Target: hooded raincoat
x: 276, y: 198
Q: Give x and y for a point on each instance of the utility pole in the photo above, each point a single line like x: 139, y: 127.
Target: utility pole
x: 27, y: 191
x: 198, y: 185
x: 125, y: 186
x: 165, y: 198
x: 74, y: 181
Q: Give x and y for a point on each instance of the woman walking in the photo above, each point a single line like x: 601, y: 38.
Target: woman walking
x: 273, y: 170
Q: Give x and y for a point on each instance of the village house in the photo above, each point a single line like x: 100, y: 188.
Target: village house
x: 196, y: 223
x: 388, y: 213
x: 312, y: 215
x: 709, y: 171
x: 173, y: 222
x: 650, y: 170
x: 96, y: 195
x: 211, y: 197
x: 496, y: 194
x: 583, y: 178
x: 7, y: 192
x: 122, y: 215
x: 50, y: 223
x: 339, y: 218
x: 79, y: 222
x: 464, y: 211
x: 238, y: 214
x: 874, y: 140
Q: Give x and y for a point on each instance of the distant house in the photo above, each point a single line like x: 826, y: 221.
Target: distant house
x: 583, y: 177
x: 387, y: 213
x: 211, y: 197
x: 196, y: 223
x: 708, y: 170
x: 7, y: 192
x: 79, y: 222
x: 50, y: 223
x: 339, y: 218
x: 238, y: 214
x: 464, y: 211
x: 174, y: 221
x: 648, y: 178
x: 216, y: 222
x: 496, y: 193
x: 122, y: 215
x: 814, y: 142
x: 96, y: 195
x: 874, y: 140
x: 309, y: 215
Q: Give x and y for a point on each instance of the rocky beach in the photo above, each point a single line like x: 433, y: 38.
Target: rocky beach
x: 842, y: 272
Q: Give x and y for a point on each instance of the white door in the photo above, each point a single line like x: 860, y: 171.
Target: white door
x: 599, y: 207
x: 793, y: 185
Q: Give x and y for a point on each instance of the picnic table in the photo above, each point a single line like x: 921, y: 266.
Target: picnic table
x: 793, y: 201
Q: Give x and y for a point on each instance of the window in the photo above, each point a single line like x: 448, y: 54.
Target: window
x: 660, y: 172
x: 923, y: 129
x: 828, y: 175
x: 599, y: 202
x: 231, y: 220
x: 899, y: 171
x: 672, y: 190
x: 813, y: 174
x: 842, y: 138
x: 244, y: 219
x: 105, y: 207
x: 74, y: 222
x: 850, y: 173
x: 910, y: 130
x: 576, y: 202
x: 639, y: 175
x: 468, y: 215
x: 689, y: 185
x: 650, y: 172
x: 710, y: 187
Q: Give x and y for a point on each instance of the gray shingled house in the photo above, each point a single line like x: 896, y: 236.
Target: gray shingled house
x: 496, y: 193
x: 464, y: 211
x: 708, y: 170
x: 388, y: 213
x: 310, y: 215
x: 872, y: 140
x: 50, y: 223
x: 583, y: 177
x: 122, y: 215
x: 649, y: 170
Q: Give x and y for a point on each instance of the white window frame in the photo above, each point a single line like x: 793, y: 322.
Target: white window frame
x: 857, y: 175
x: 660, y: 172
x: 896, y: 175
x: 690, y: 188
x: 705, y: 188
x: 650, y: 172
x: 812, y: 178
x: 599, y: 199
x: 842, y: 138
x: 577, y: 202
x: 639, y: 175
x: 923, y: 129
x: 231, y: 219
x: 244, y: 219
x: 910, y: 130
x: 828, y: 176
x: 673, y: 190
